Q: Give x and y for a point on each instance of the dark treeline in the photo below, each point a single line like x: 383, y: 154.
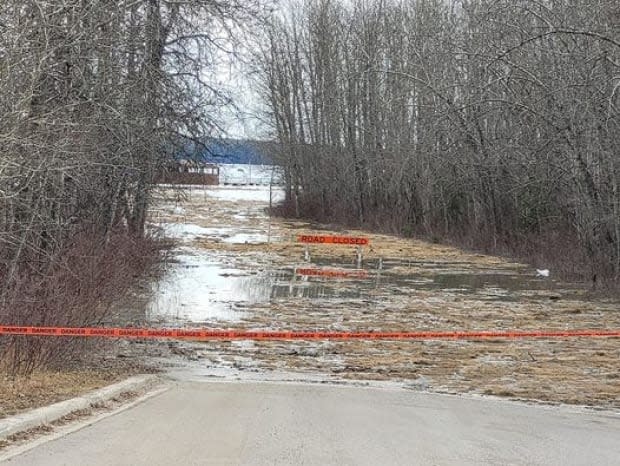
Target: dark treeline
x: 91, y: 94
x: 491, y: 122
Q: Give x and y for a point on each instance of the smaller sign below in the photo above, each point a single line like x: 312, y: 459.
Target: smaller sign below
x: 332, y: 273
x: 329, y: 239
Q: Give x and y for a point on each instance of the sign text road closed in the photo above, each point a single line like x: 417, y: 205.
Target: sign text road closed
x: 330, y: 239
x: 332, y: 273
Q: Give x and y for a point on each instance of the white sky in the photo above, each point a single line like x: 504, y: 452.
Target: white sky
x: 244, y: 118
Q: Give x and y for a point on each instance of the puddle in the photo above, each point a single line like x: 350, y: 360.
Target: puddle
x: 197, y: 289
x: 200, y: 288
x: 400, y: 276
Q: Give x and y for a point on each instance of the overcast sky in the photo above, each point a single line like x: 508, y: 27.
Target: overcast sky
x: 244, y: 118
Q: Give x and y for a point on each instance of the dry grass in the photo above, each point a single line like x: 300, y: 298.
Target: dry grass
x: 47, y: 387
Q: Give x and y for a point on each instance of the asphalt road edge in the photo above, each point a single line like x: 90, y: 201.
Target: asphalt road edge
x: 47, y: 414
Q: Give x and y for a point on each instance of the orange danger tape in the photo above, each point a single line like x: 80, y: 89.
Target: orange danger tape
x: 322, y: 239
x: 210, y: 334
x: 314, y: 272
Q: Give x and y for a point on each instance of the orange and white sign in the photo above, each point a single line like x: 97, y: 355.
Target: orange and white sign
x: 332, y: 273
x: 330, y: 239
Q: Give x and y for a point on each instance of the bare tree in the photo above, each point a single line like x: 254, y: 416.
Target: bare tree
x: 491, y: 122
x: 94, y: 96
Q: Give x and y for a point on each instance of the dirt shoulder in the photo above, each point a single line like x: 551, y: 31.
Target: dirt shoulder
x: 45, y: 387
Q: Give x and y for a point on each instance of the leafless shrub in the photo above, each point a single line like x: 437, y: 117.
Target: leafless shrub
x: 82, y: 288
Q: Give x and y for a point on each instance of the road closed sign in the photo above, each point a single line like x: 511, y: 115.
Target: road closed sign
x: 332, y: 273
x: 330, y: 239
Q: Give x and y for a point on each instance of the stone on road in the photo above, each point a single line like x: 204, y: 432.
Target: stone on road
x: 268, y: 423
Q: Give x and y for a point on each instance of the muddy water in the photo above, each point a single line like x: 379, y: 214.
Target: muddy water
x: 200, y: 288
x: 197, y: 289
x: 234, y: 267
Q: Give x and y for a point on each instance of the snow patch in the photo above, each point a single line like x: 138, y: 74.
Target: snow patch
x: 185, y: 231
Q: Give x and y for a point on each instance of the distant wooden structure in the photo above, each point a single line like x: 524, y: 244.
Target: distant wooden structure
x: 185, y: 171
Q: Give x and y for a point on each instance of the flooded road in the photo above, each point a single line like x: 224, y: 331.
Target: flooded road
x: 235, y: 267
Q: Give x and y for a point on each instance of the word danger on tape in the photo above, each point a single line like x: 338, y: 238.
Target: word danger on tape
x: 331, y: 273
x: 329, y: 239
x: 211, y: 334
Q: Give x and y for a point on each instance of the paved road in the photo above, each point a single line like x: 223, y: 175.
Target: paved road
x: 264, y: 423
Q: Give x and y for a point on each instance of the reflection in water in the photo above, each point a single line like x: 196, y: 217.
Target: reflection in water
x: 458, y: 277
x: 197, y: 289
x: 284, y: 284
